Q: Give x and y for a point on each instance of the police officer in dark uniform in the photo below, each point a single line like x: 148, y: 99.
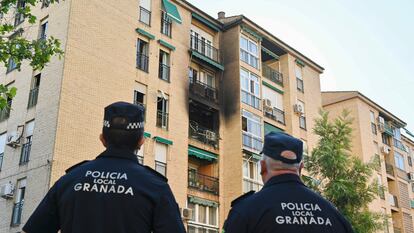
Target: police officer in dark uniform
x: 284, y: 204
x: 112, y: 193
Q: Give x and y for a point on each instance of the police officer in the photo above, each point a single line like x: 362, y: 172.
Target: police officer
x: 284, y: 204
x: 112, y: 193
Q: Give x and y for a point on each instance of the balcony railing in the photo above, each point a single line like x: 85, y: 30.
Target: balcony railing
x: 25, y: 153
x: 272, y: 74
x: 202, y: 228
x: 203, y: 134
x: 142, y: 62
x: 203, y: 182
x: 17, y: 213
x: 203, y: 90
x: 145, y: 16
x: 249, y: 185
x: 34, y: 93
x: 165, y: 25
x: 164, y: 72
x: 162, y: 119
x: 275, y: 114
x: 252, y: 142
x: 389, y: 169
x: 385, y: 128
x: 204, y: 48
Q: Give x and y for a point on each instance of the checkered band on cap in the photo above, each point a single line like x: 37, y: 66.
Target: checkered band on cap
x: 106, y: 124
x: 135, y: 125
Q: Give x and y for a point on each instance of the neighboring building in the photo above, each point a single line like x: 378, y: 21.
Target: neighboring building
x: 211, y: 88
x: 377, y: 137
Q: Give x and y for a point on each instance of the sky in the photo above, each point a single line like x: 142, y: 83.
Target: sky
x: 363, y: 45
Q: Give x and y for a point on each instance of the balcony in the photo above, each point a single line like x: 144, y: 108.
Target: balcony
x: 34, y: 93
x: 275, y: 114
x: 203, y: 182
x: 385, y: 128
x: 390, y: 169
x: 142, y: 62
x: 17, y: 213
x: 272, y: 74
x: 205, y: 49
x: 203, y: 90
x: 249, y: 185
x: 203, y: 134
x: 162, y: 119
x: 252, y: 142
x: 25, y: 153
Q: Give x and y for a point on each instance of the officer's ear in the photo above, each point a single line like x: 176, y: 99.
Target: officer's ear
x: 140, y: 142
x: 301, y: 166
x: 263, y: 167
x: 102, y: 139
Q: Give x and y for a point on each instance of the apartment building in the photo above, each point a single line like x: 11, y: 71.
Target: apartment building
x: 212, y: 88
x: 377, y: 137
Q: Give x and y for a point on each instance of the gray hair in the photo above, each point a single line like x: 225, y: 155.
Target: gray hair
x: 276, y: 165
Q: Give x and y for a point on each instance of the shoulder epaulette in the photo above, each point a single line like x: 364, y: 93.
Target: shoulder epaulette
x: 157, y: 174
x: 76, y: 165
x: 242, y: 197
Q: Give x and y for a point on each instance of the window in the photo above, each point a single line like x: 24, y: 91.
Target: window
x: 399, y: 160
x: 249, y: 52
x: 251, y: 174
x: 299, y: 78
x: 204, y: 218
x: 164, y: 69
x: 273, y: 105
x: 205, y: 78
x: 302, y: 117
x: 26, y: 147
x: 139, y: 95
x: 19, y: 17
x: 2, y: 147
x: 202, y: 42
x: 373, y: 125
x: 140, y: 154
x: 142, y: 55
x: 18, y: 203
x: 11, y: 63
x: 45, y: 3
x: 161, y: 158
x: 162, y: 111
x: 43, y: 31
x: 250, y: 88
x: 145, y: 12
x: 34, y: 91
x: 385, y: 139
x: 165, y: 24
x: 5, y: 112
x: 252, y: 131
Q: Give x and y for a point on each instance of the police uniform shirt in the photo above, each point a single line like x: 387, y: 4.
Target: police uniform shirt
x: 112, y: 193
x: 284, y: 205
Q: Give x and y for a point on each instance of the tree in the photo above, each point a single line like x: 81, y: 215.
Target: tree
x: 14, y: 48
x: 342, y: 177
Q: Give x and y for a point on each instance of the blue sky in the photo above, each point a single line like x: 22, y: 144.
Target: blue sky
x: 363, y: 45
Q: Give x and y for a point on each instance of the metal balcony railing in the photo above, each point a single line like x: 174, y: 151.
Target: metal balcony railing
x: 164, y: 72
x: 272, y: 74
x: 162, y: 119
x: 203, y: 182
x: 203, y: 90
x: 142, y: 61
x: 25, y: 153
x: 204, y: 48
x: 144, y: 16
x: 275, y: 114
x: 203, y: 134
x: 34, y: 93
x: 165, y: 25
x: 252, y: 142
x: 389, y: 169
x: 17, y: 213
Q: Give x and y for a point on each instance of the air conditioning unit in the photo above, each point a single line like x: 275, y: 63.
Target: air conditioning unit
x: 186, y: 213
x: 381, y: 120
x: 13, y: 139
x: 386, y: 150
x: 6, y: 191
x: 297, y: 108
x: 267, y: 103
x: 210, y: 135
x: 410, y: 176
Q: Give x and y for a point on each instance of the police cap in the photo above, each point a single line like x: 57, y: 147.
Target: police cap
x: 123, y: 115
x: 283, y: 147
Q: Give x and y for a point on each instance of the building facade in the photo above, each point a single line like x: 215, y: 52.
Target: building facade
x: 212, y: 88
x: 377, y: 137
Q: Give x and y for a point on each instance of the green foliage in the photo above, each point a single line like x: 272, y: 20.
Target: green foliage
x: 343, y: 178
x: 14, y: 47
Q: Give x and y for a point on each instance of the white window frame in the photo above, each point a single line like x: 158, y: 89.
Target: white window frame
x: 253, y: 89
x: 251, y: 178
x: 161, y: 158
x: 206, y: 225
x: 250, y: 54
x: 275, y: 97
x: 399, y: 160
x: 246, y: 114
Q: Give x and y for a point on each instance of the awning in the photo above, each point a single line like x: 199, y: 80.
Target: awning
x: 250, y: 155
x: 145, y: 33
x: 166, y: 44
x: 204, y: 202
x: 272, y: 87
x: 270, y: 53
x: 206, y: 59
x: 201, y: 154
x: 205, y: 21
x: 270, y: 128
x: 300, y: 62
x: 163, y: 140
x: 172, y: 11
x: 147, y: 135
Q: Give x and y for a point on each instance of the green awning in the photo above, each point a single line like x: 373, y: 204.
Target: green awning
x: 201, y: 154
x: 271, y: 128
x: 270, y: 53
x: 166, y: 44
x: 252, y: 155
x: 272, y: 87
x: 205, y: 21
x: 207, y: 59
x: 147, y: 135
x: 252, y: 33
x: 172, y: 11
x: 300, y: 62
x: 204, y: 202
x: 163, y: 140
x: 145, y: 33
